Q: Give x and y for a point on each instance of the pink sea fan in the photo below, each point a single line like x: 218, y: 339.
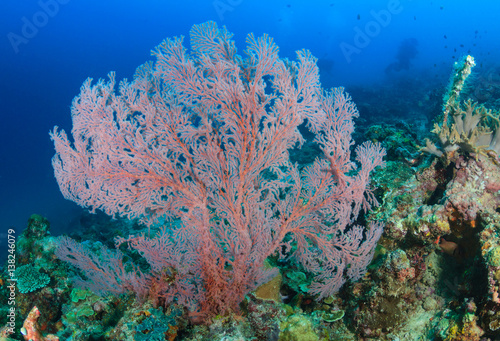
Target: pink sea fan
x: 202, y: 138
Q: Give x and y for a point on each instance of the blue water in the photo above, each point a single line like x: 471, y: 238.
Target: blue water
x: 49, y: 47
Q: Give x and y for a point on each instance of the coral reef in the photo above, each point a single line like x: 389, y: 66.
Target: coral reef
x: 435, y: 273
x: 438, y: 262
x: 473, y: 128
x: 42, y: 279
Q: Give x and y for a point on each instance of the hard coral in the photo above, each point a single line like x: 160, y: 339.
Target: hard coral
x: 30, y: 279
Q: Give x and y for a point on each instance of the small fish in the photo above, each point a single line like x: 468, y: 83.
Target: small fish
x: 453, y: 57
x: 414, y: 18
x: 451, y: 248
x: 445, y: 37
x: 461, y: 45
x: 454, y: 50
x: 435, y: 65
x: 359, y: 17
x: 288, y: 5
x: 441, y: 8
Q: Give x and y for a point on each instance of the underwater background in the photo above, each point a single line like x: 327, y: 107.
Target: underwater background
x: 403, y: 62
x: 43, y: 72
